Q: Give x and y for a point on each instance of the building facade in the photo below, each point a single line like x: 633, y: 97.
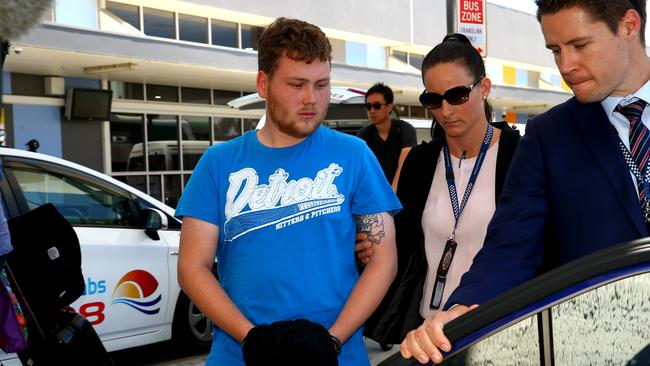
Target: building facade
x: 173, y: 65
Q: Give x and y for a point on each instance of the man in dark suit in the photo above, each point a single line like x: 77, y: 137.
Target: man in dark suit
x: 578, y: 181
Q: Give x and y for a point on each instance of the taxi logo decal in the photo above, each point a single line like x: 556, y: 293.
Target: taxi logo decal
x: 137, y: 289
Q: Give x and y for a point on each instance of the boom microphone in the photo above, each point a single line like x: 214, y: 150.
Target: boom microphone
x: 16, y: 16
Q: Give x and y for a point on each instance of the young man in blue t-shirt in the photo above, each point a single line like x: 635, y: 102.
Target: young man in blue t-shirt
x: 280, y: 207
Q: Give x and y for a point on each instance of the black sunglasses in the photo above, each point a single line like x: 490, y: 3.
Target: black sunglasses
x: 376, y: 106
x: 454, y: 96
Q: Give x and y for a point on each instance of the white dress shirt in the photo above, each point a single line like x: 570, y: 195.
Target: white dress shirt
x: 620, y: 123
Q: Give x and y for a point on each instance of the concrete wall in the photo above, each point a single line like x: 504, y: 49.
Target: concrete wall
x: 512, y: 35
x: 380, y: 18
x: 516, y: 36
x: 429, y: 22
x: 38, y: 122
x: 8, y: 110
x: 6, y: 82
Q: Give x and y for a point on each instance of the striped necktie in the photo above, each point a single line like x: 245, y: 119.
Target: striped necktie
x: 639, y: 139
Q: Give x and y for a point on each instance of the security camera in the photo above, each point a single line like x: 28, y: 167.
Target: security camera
x: 33, y: 145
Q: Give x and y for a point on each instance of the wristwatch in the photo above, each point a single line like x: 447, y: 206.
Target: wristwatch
x: 337, y: 344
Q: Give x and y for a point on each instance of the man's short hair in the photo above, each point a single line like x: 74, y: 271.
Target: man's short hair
x: 382, y: 88
x: 299, y: 40
x: 609, y: 12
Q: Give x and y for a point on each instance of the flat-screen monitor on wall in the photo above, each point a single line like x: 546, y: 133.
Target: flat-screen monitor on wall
x: 88, y: 104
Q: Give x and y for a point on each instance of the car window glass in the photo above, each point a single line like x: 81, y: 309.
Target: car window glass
x: 517, y: 344
x: 604, y: 326
x: 80, y: 202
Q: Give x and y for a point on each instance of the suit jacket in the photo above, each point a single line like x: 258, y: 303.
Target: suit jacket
x: 399, y: 311
x: 568, y: 193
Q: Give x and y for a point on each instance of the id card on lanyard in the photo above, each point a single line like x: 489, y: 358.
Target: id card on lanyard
x: 450, y: 245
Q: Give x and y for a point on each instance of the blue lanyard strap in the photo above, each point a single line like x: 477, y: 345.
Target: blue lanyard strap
x: 451, y: 184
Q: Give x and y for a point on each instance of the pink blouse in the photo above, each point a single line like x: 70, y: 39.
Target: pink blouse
x: 438, y: 221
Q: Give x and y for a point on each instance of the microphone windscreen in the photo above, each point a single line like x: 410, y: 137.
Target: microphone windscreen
x: 17, y: 16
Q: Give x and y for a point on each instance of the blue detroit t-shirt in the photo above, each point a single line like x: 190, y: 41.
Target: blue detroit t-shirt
x: 287, y: 232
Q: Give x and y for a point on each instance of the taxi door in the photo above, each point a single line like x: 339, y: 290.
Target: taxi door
x: 126, y: 272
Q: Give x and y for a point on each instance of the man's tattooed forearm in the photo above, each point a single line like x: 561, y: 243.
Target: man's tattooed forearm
x: 373, y: 225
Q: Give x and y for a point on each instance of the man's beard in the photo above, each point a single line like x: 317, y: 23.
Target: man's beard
x: 280, y: 117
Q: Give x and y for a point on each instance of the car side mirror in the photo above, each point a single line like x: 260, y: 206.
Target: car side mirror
x: 156, y: 220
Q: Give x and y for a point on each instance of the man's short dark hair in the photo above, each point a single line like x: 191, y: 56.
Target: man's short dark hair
x: 382, y: 88
x: 609, y: 12
x: 299, y: 40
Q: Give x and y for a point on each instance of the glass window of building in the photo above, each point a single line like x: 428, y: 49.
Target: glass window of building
x: 521, y: 77
x: 195, y: 132
x: 138, y: 182
x: 125, y: 90
x: 155, y: 187
x: 376, y: 56
x: 27, y: 84
x: 494, y: 72
x: 221, y: 97
x: 81, y: 13
x: 162, y: 93
x: 195, y: 128
x: 172, y: 189
x: 250, y: 36
x: 250, y: 124
x: 162, y: 144
x: 418, y: 112
x: 226, y: 128
x: 355, y: 53
x: 128, y: 13
x: 401, y: 110
x: 127, y: 137
x: 224, y: 33
x: 402, y: 56
x: 195, y: 95
x: 192, y: 28
x: 159, y: 23
x: 415, y: 60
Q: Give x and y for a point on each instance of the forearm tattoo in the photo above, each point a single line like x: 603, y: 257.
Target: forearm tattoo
x: 373, y: 225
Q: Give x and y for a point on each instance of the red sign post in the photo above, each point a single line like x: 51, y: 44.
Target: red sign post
x: 471, y: 22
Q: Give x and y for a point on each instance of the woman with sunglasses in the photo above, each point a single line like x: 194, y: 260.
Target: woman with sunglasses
x: 448, y: 187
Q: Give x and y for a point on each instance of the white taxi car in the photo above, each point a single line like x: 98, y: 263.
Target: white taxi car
x: 129, y: 245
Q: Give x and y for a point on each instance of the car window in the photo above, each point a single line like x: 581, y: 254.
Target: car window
x: 79, y: 201
x: 516, y: 345
x: 604, y: 326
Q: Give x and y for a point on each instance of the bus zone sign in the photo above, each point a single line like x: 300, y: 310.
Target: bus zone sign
x: 471, y: 22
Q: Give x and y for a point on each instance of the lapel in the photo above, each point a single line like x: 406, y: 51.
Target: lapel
x: 597, y: 134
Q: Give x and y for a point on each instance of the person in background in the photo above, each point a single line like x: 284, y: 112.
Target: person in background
x: 448, y: 187
x: 389, y: 139
x: 279, y: 207
x: 579, y: 180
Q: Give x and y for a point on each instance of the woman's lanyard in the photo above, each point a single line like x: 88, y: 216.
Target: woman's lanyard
x: 450, y: 245
x: 642, y: 180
